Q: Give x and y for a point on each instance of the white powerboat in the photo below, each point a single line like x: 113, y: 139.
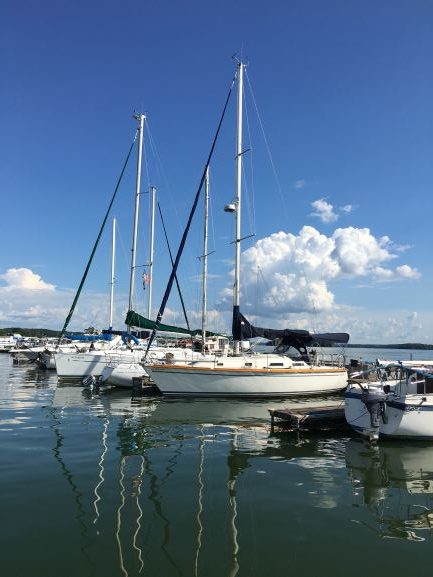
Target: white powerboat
x: 398, y: 404
x: 9, y: 342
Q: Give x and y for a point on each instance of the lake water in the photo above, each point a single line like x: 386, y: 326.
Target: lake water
x: 105, y: 486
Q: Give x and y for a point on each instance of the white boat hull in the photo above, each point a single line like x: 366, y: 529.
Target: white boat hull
x: 26, y: 355
x: 176, y: 380
x: 408, y: 417
x: 122, y: 374
x: 76, y: 366
x: 47, y: 360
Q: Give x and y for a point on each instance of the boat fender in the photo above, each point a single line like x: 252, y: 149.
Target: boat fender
x: 375, y: 402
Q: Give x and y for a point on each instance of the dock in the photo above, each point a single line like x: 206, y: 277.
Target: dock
x: 312, y: 418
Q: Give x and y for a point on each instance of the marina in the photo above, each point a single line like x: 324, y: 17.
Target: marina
x: 216, y: 331
x: 155, y: 485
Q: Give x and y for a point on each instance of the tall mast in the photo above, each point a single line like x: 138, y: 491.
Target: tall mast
x: 113, y: 253
x: 151, y: 249
x: 205, y: 239
x: 140, y: 118
x: 236, y: 294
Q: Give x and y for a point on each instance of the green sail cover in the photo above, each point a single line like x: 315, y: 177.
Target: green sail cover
x: 133, y: 319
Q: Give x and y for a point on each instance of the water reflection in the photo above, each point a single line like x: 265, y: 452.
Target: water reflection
x: 196, y: 487
x: 166, y: 449
x: 395, y: 481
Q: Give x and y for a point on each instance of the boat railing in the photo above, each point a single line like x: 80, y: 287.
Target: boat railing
x: 327, y: 359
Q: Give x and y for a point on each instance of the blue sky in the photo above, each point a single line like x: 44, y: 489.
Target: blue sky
x: 337, y: 184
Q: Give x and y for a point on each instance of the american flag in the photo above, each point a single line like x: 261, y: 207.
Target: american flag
x: 146, y: 280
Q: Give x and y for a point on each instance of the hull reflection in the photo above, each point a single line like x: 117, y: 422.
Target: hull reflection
x: 395, y: 482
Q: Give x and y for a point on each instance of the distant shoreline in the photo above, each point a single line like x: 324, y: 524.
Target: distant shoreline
x: 41, y: 333
x: 408, y: 346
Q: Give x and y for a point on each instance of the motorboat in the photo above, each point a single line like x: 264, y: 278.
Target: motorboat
x: 398, y: 403
x: 9, y: 342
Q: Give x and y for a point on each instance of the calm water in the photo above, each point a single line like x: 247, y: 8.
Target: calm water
x: 103, y: 486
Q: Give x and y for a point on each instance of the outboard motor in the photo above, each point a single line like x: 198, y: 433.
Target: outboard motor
x: 375, y: 401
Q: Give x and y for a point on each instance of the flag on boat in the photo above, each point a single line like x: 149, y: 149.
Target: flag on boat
x: 146, y: 280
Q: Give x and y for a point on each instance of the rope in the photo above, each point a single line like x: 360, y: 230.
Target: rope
x: 86, y: 271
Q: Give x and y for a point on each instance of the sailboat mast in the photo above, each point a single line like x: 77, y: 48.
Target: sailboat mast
x: 151, y: 250
x: 205, y: 242
x: 113, y: 253
x: 236, y: 295
x: 140, y: 118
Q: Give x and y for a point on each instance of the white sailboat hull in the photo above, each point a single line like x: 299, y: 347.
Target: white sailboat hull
x: 47, y: 360
x: 76, y: 366
x: 26, y: 354
x: 122, y: 374
x: 176, y: 380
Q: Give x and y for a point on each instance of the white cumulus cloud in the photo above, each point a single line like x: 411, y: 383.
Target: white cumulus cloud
x: 298, y: 270
x: 26, y: 300
x: 25, y: 279
x: 347, y: 208
x: 327, y: 213
x: 324, y: 211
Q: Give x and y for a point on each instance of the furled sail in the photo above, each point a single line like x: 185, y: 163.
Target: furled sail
x: 134, y: 319
x: 243, y: 330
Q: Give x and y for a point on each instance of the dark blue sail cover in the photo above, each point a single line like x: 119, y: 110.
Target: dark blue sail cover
x: 243, y: 330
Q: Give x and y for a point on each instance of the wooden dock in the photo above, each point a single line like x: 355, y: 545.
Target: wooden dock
x: 312, y: 418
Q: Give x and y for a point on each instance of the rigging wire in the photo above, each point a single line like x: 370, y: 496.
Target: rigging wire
x: 279, y: 188
x: 172, y: 263
x: 188, y: 226
x: 162, y: 173
x: 268, y: 149
x: 86, y: 271
x: 250, y: 195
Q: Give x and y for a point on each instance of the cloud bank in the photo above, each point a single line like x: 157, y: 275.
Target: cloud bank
x: 26, y: 300
x: 23, y: 279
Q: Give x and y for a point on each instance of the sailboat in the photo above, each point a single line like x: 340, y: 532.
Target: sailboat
x: 121, y: 371
x: 115, y: 348
x: 253, y: 375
